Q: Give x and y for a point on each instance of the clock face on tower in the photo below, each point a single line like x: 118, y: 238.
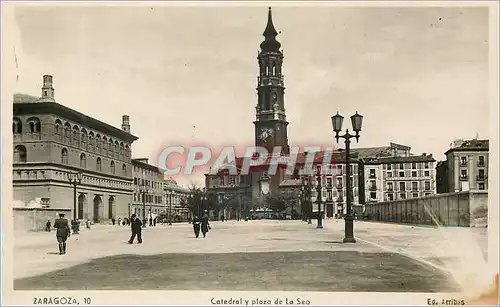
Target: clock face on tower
x: 265, y: 133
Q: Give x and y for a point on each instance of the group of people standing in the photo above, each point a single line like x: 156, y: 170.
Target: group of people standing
x: 201, y: 224
x: 63, y: 231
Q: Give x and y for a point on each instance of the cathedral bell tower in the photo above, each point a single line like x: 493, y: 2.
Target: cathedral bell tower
x: 270, y: 123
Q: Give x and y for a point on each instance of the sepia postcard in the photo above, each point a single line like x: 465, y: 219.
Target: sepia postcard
x: 250, y: 153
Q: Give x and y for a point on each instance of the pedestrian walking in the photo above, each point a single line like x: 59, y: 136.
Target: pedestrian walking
x: 119, y: 221
x: 154, y: 221
x: 87, y: 224
x: 62, y: 232
x: 196, y: 226
x: 136, y: 227
x: 205, y: 226
x: 113, y: 221
x: 48, y: 226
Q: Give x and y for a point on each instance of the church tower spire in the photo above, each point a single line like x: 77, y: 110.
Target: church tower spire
x: 270, y: 123
x: 270, y: 44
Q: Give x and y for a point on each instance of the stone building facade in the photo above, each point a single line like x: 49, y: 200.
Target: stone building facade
x: 149, y: 195
x: 51, y: 140
x: 176, y: 199
x: 465, y: 168
x: 399, y: 178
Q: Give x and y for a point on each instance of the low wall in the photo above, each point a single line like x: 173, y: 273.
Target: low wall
x: 35, y: 219
x: 467, y: 208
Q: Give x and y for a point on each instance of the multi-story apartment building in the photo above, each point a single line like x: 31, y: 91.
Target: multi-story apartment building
x: 149, y: 193
x: 51, y: 141
x: 377, y: 174
x: 395, y: 178
x: 465, y: 168
x: 176, y: 198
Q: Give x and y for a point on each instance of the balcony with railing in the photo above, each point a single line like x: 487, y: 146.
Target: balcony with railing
x: 373, y: 187
x: 480, y: 178
x: 372, y: 176
x: 481, y: 163
x: 464, y: 177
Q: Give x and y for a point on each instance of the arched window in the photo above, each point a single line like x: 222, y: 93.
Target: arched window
x: 122, y: 151
x: 91, y: 141
x: 67, y: 132
x: 64, y: 156
x: 110, y: 147
x: 34, y: 124
x: 76, y: 136
x: 124, y: 170
x: 83, y: 161
x: 104, y: 145
x: 274, y: 70
x: 19, y: 154
x: 98, y: 143
x: 17, y: 126
x: 116, y: 150
x: 57, y: 127
x: 98, y: 164
x: 127, y: 152
x: 83, y: 138
x: 112, y: 167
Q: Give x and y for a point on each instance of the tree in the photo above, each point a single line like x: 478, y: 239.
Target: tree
x: 194, y: 199
x: 276, y: 203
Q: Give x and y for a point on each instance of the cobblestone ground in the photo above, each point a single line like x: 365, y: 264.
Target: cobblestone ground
x: 385, y: 258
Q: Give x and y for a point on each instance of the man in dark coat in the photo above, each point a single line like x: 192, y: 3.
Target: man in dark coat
x: 62, y: 232
x: 205, y: 226
x: 196, y: 226
x: 136, y: 226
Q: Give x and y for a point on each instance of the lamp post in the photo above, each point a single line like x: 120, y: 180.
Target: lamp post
x: 357, y: 121
x: 308, y: 197
x: 144, y: 191
x: 201, y: 204
x: 75, y: 179
x: 302, y: 204
x: 170, y: 208
x: 318, y: 199
x: 191, y: 208
x: 128, y: 212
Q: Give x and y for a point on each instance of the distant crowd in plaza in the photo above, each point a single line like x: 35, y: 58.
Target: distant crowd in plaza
x: 63, y: 229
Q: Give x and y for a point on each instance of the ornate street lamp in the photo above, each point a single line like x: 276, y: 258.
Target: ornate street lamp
x: 318, y: 199
x: 190, y: 200
x: 306, y: 191
x: 144, y: 190
x: 169, y: 198
x: 357, y: 121
x: 75, y: 179
x: 203, y: 199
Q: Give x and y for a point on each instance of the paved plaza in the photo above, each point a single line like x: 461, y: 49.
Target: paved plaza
x: 253, y: 255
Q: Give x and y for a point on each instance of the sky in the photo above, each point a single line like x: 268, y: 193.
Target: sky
x: 419, y: 76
